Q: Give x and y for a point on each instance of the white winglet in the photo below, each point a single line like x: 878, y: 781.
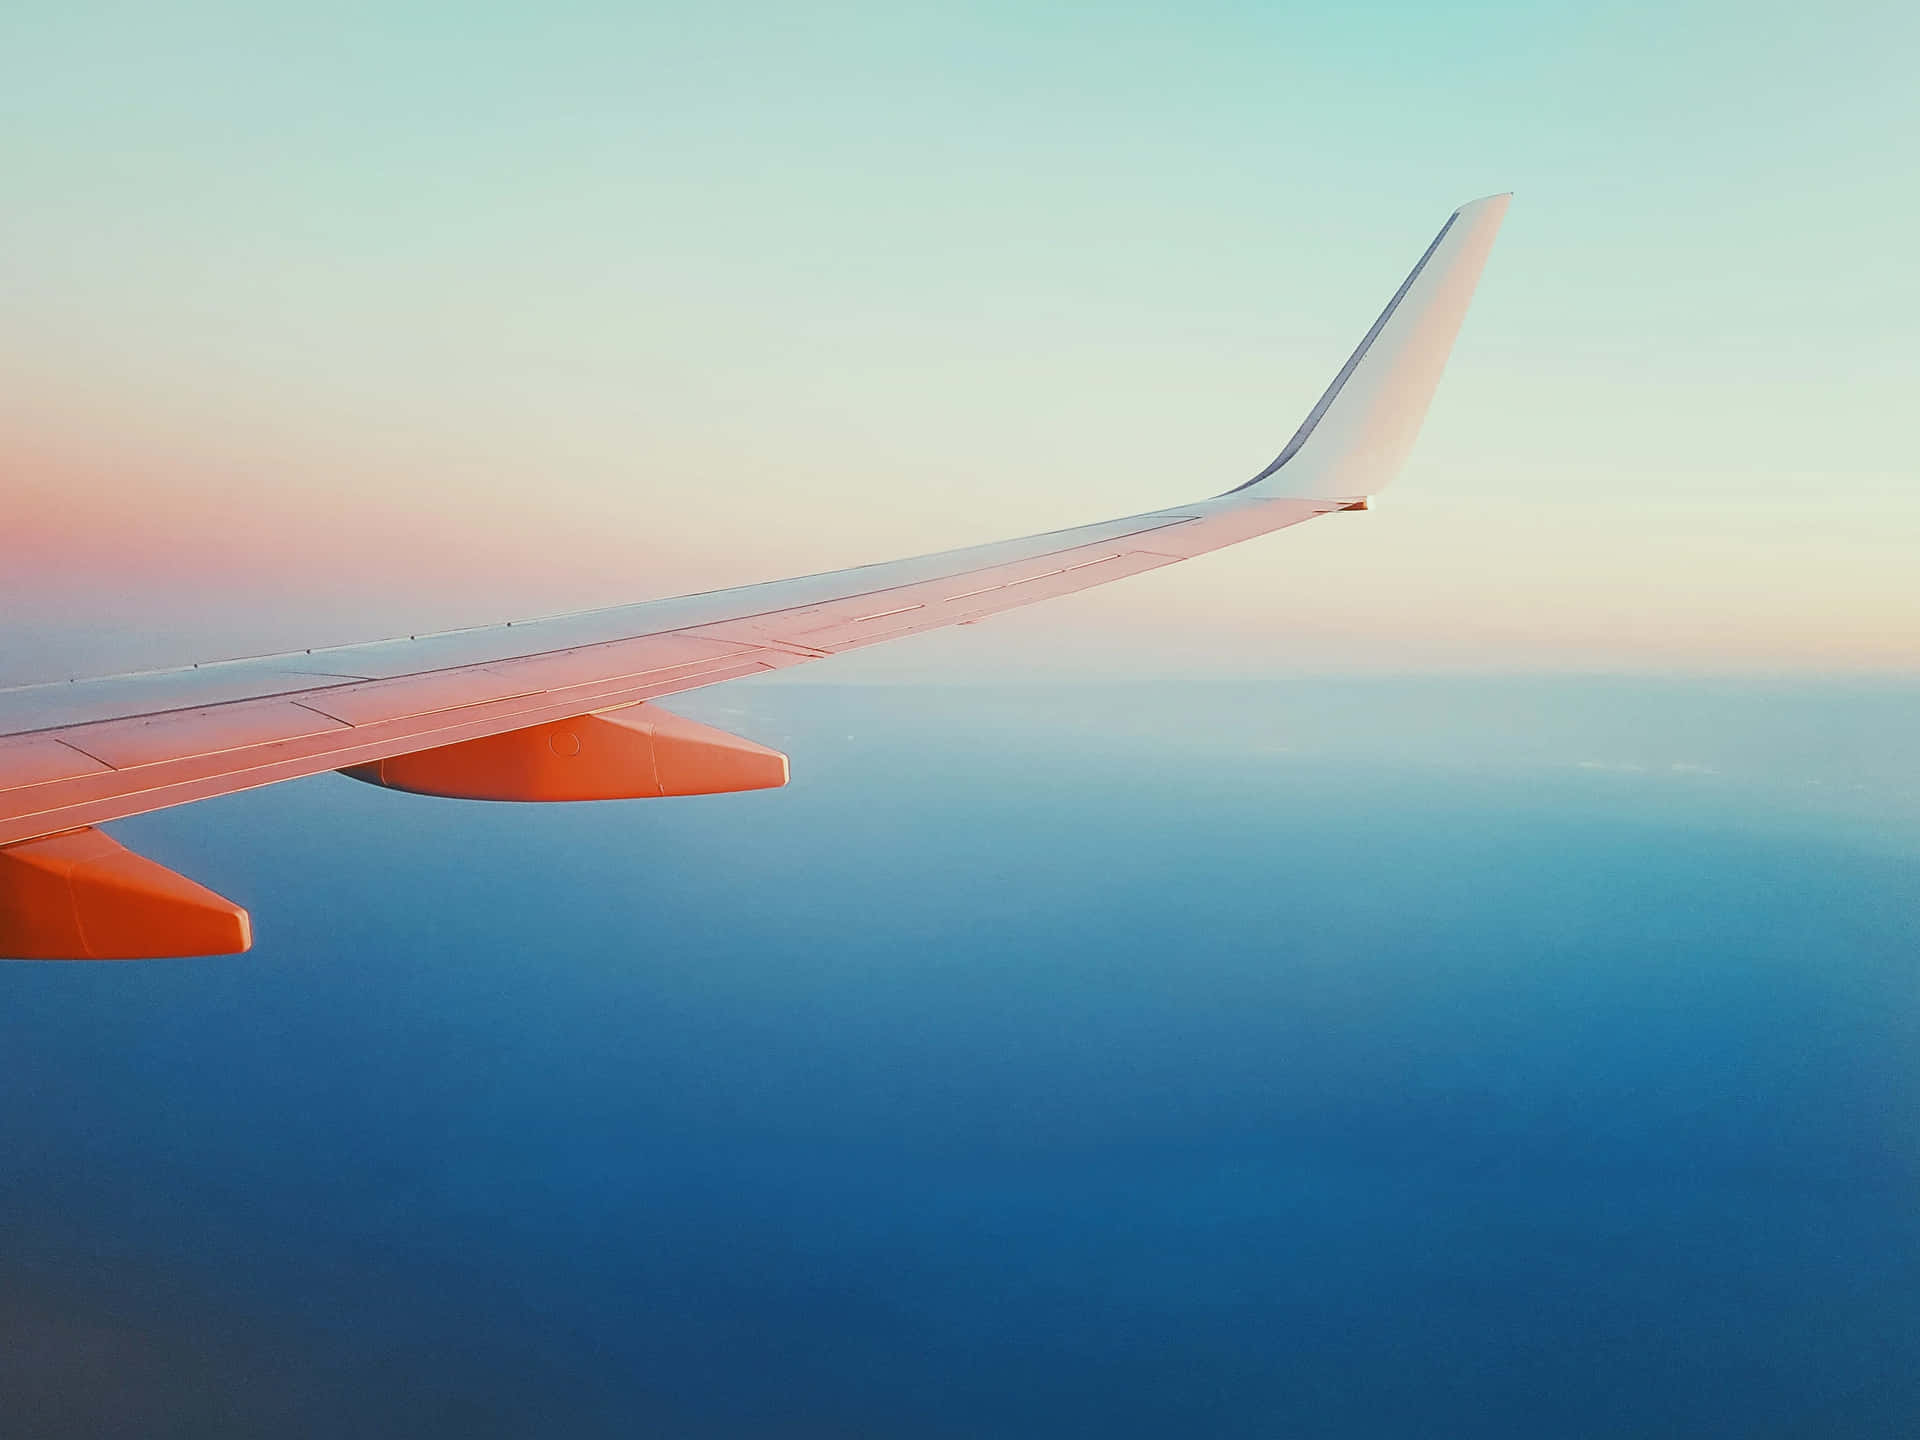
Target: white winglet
x: 1356, y: 439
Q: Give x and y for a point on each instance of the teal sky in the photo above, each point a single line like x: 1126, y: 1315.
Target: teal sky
x: 314, y: 326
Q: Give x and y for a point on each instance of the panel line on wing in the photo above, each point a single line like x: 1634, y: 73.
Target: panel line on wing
x: 43, y: 759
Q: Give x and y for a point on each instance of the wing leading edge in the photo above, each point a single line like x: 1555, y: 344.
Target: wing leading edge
x: 86, y: 752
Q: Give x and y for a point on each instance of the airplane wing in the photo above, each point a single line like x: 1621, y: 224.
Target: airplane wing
x: 559, y: 708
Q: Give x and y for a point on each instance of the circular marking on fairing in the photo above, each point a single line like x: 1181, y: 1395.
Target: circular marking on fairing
x: 564, y: 743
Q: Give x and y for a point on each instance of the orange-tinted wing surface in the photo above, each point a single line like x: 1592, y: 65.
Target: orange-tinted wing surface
x: 74, y: 755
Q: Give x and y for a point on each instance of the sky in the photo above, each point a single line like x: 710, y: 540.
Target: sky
x: 320, y: 326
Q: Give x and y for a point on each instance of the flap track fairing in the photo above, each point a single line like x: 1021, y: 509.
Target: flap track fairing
x: 81, y: 895
x: 633, y: 753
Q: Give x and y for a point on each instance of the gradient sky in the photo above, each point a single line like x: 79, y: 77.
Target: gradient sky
x: 1351, y: 1056
x: 320, y: 326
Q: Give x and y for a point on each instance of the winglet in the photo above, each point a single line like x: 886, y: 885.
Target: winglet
x: 1356, y: 439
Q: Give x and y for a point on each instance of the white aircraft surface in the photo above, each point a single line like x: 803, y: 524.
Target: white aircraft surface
x: 562, y: 708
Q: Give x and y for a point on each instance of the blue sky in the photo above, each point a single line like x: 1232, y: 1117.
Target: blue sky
x: 367, y: 321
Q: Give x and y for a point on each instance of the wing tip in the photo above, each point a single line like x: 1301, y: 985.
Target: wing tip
x: 1499, y: 201
x: 1471, y: 229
